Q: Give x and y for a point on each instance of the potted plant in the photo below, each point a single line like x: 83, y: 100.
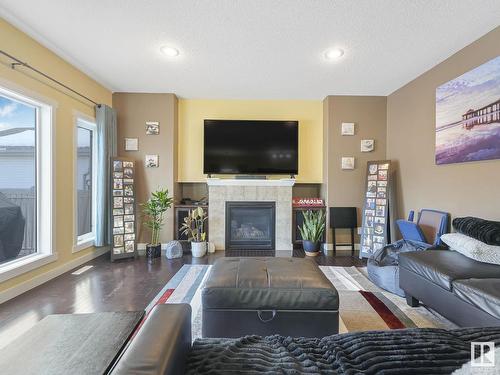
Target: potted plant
x: 312, y: 230
x: 154, y: 210
x: 194, y: 228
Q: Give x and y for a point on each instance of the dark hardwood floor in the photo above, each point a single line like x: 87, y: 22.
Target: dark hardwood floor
x: 119, y: 286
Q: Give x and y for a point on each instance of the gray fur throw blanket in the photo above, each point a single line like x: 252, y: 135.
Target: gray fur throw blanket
x: 483, y: 230
x: 406, y: 351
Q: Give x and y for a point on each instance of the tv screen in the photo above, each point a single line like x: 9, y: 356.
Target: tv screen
x: 251, y: 147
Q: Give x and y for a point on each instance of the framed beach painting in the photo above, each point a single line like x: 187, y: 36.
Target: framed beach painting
x: 468, y: 116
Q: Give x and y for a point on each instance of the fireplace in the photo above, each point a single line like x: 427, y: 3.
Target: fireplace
x: 250, y: 225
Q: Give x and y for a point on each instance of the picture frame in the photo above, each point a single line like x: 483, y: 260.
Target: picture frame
x: 118, y: 202
x: 467, y: 122
x: 348, y: 128
x: 151, y: 161
x: 117, y: 165
x: 129, y: 209
x: 377, y: 222
x: 119, y: 230
x: 152, y: 128
x: 123, y: 214
x: 367, y: 145
x: 348, y: 162
x: 128, y: 172
x: 131, y: 144
x: 118, y: 221
x: 128, y: 190
x: 129, y: 246
x: 129, y: 227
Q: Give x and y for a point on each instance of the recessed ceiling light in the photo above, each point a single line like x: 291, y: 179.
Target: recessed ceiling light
x: 169, y: 51
x: 334, y: 53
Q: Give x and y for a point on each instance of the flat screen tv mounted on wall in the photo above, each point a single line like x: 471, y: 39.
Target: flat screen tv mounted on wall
x: 251, y: 147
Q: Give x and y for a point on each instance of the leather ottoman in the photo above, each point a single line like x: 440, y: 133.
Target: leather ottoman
x: 265, y: 296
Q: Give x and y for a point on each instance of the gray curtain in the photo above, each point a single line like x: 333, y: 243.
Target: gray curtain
x: 106, y: 149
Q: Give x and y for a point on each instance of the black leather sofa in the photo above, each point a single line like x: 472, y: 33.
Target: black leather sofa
x: 461, y: 289
x: 162, y: 344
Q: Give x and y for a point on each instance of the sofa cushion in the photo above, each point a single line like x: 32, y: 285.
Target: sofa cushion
x: 472, y: 248
x: 482, y: 293
x: 482, y: 230
x: 268, y: 283
x: 443, y: 266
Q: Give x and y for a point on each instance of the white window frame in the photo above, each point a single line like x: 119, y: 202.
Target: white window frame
x: 88, y: 239
x: 45, y: 182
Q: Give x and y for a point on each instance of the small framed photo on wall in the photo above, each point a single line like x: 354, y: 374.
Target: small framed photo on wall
x: 151, y: 161
x: 367, y: 145
x: 347, y: 163
x: 152, y: 128
x: 131, y: 144
x: 348, y: 128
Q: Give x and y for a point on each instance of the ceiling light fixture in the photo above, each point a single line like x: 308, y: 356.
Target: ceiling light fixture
x: 334, y: 53
x: 169, y: 51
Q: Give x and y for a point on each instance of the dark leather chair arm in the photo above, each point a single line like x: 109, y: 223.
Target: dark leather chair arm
x: 162, y: 344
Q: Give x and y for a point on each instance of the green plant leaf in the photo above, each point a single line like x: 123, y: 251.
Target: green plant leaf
x: 313, y: 227
x: 153, y: 211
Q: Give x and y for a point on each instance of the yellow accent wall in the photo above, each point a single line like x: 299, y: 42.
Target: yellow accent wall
x: 192, y: 112
x: 19, y: 44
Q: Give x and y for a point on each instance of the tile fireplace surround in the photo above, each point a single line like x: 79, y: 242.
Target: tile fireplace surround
x: 221, y: 191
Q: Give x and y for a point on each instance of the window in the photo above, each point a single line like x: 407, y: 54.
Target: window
x: 25, y: 183
x: 85, y: 182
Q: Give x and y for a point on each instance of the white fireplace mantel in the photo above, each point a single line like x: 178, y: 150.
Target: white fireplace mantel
x: 286, y: 182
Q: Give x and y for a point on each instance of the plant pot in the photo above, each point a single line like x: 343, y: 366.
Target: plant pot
x: 153, y: 251
x: 310, y: 248
x: 210, y: 248
x: 198, y: 249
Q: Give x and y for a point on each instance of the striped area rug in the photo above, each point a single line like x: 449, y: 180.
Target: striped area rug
x: 366, y: 307
x: 363, y: 306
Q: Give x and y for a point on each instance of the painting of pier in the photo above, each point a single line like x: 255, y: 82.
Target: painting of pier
x: 468, y: 116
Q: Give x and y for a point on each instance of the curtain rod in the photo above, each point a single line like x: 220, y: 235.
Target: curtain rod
x: 26, y: 65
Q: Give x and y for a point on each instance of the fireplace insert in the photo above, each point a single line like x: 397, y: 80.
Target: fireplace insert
x: 250, y: 225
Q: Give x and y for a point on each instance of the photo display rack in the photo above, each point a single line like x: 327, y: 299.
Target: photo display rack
x: 378, y: 208
x: 123, y: 209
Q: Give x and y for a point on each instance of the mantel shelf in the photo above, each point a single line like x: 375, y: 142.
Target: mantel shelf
x: 285, y: 182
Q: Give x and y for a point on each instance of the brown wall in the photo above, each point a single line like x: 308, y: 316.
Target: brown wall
x: 133, y: 110
x: 347, y: 187
x: 462, y: 189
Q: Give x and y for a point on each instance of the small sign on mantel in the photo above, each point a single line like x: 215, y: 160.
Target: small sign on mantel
x: 308, y: 202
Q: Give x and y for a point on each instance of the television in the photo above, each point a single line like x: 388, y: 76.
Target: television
x: 251, y: 147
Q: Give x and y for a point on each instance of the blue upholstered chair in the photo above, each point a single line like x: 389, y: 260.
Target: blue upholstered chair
x: 383, y: 265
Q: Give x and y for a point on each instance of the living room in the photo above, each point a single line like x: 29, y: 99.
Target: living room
x: 249, y: 186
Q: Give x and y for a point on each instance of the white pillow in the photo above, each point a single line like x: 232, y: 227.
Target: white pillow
x: 472, y: 248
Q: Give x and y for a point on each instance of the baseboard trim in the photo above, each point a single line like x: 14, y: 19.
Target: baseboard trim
x: 341, y: 247
x: 47, y: 276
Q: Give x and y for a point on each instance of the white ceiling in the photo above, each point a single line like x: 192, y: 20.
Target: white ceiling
x: 259, y: 49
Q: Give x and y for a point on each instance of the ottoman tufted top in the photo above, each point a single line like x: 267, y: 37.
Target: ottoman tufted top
x: 268, y: 283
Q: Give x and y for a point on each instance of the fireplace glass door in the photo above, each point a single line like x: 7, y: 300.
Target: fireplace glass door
x: 250, y: 225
